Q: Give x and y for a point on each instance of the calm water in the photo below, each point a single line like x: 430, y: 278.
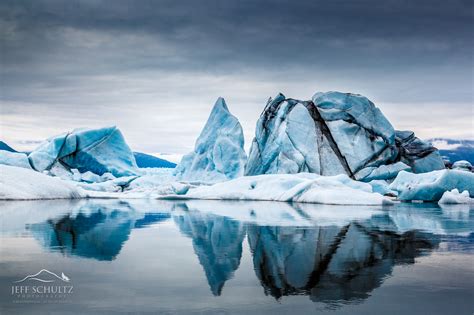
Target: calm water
x: 235, y: 257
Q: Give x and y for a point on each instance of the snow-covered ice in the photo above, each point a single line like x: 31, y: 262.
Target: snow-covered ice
x: 462, y: 165
x: 14, y: 159
x: 431, y: 186
x: 219, y: 151
x: 302, y: 187
x: 382, y: 187
x: 17, y: 183
x: 455, y: 197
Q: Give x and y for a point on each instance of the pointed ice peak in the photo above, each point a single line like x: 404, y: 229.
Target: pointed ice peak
x: 218, y: 153
x: 221, y: 103
x: 219, y: 113
x: 220, y: 107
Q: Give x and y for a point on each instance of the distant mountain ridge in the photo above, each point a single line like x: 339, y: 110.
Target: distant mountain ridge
x: 147, y: 160
x: 6, y: 147
x: 455, y: 150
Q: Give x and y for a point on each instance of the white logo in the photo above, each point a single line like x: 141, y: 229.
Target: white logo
x: 42, y: 287
x: 45, y: 276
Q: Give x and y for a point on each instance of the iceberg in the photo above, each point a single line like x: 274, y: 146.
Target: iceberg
x: 456, y: 197
x: 431, y: 186
x: 382, y: 187
x: 302, y: 187
x: 18, y: 183
x: 335, y: 133
x: 383, y: 172
x: 99, y: 151
x: 420, y: 155
x: 462, y: 165
x: 14, y: 159
x: 218, y: 154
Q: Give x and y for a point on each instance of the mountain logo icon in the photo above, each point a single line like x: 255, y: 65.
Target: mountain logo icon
x: 45, y: 276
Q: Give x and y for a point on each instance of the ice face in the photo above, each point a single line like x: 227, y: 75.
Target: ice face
x: 431, y: 186
x: 284, y: 144
x: 218, y: 154
x: 14, y: 159
x: 355, y: 108
x: 420, y: 155
x: 96, y: 150
x: 335, y: 133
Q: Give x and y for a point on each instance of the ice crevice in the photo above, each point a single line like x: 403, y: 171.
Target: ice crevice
x: 320, y: 122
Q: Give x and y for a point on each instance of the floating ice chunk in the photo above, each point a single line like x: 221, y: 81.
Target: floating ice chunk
x: 455, y: 197
x: 382, y: 187
x: 60, y: 171
x: 14, y: 159
x: 384, y: 172
x: 96, y: 150
x: 302, y: 187
x: 218, y: 154
x: 17, y: 183
x: 90, y: 177
x: 431, y: 186
x: 115, y: 185
x: 462, y: 165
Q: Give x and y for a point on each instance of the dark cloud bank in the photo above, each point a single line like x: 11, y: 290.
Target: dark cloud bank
x: 156, y: 67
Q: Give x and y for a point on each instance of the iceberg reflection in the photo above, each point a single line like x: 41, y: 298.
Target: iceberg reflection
x: 96, y: 231
x: 330, y: 263
x: 331, y: 254
x: 217, y: 242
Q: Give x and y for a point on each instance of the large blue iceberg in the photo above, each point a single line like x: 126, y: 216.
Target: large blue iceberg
x: 335, y: 133
x: 99, y: 151
x: 219, y: 151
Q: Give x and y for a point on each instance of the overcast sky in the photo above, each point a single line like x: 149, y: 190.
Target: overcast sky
x: 155, y: 68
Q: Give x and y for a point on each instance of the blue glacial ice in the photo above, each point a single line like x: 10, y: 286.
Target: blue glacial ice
x: 219, y: 151
x: 383, y: 172
x: 462, y: 165
x: 14, y: 159
x: 431, y: 186
x: 99, y: 151
x: 335, y: 133
x: 420, y: 155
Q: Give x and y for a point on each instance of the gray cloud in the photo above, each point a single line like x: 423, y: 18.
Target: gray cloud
x: 156, y: 67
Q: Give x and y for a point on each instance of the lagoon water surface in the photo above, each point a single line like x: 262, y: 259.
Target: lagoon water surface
x: 153, y: 256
